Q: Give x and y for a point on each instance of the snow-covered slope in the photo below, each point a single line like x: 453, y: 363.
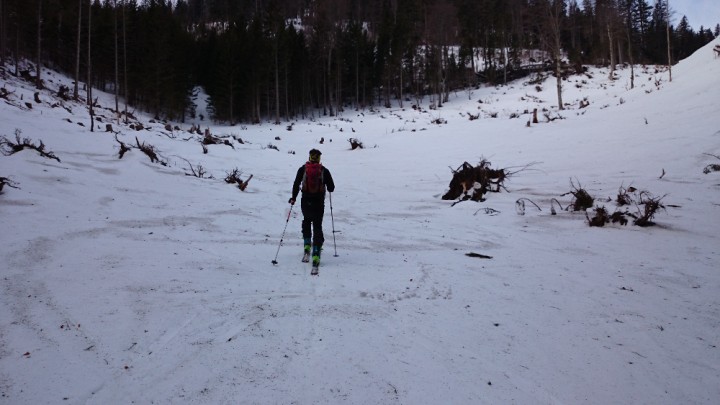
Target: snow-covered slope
x: 126, y: 281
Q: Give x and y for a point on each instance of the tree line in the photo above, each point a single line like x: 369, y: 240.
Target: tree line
x: 278, y: 60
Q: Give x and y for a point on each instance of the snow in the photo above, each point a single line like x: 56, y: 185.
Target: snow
x: 125, y: 281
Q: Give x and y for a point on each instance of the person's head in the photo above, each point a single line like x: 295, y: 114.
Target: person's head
x: 315, y: 155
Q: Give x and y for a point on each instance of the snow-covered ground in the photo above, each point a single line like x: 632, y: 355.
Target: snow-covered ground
x: 126, y: 281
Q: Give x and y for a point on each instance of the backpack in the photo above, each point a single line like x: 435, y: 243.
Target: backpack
x: 313, y: 179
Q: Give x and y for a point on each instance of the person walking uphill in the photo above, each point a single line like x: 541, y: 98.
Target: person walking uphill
x: 312, y: 179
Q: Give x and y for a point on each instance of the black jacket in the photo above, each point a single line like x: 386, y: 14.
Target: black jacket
x: 327, y: 181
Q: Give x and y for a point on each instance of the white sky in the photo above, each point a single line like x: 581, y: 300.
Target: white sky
x: 698, y: 12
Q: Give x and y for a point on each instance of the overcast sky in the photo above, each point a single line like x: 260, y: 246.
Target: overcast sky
x: 698, y: 12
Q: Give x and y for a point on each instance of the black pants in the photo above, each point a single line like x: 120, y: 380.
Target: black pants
x: 313, y: 211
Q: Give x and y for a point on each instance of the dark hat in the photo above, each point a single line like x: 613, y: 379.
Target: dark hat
x: 315, y: 155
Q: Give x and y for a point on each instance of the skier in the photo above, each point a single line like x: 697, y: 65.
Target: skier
x: 313, y: 179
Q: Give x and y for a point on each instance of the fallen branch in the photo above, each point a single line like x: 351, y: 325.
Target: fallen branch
x: 5, y: 181
x: 242, y: 186
x: 552, y: 206
x: 198, y: 171
x: 488, y: 211
x: 521, y: 169
x: 123, y: 148
x: 713, y: 167
x: 520, y: 205
x: 8, y: 148
x: 149, y: 150
x: 208, y: 139
x: 478, y: 255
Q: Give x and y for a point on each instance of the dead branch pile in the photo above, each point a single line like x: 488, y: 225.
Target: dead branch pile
x: 650, y: 205
x: 234, y: 178
x: 635, y: 205
x: 644, y: 203
x: 625, y: 196
x: 582, y: 200
x: 600, y: 219
x: 473, y: 182
x: 8, y: 147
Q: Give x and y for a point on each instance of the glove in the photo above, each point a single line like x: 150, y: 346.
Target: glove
x: 291, y: 201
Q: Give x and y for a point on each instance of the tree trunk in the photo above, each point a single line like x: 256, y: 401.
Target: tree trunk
x: 329, y: 92
x: 38, y: 79
x: 505, y: 58
x: 439, y: 76
x: 357, y: 79
x: 446, y: 73
x: 631, y: 59
x: 89, y: 70
x: 401, y: 84
x: 117, y: 106
x: 287, y: 95
x: 554, y: 19
x: 611, y: 75
x: 17, y: 49
x: 76, y: 95
x: 2, y: 33
x: 232, y: 100
x: 667, y: 30
x: 125, y: 76
x: 277, y: 81
x: 338, y: 84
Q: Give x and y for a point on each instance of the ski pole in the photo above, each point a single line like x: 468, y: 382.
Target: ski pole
x: 332, y: 220
x: 283, y: 235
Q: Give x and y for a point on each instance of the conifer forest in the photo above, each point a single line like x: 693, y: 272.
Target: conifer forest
x: 279, y: 60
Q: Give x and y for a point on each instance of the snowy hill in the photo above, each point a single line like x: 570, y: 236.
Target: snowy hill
x: 128, y: 281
